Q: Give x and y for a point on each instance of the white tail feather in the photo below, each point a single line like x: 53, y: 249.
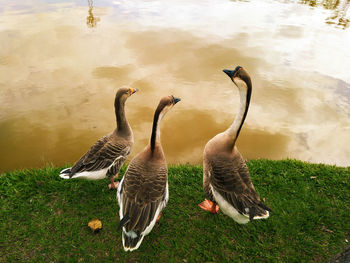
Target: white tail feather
x: 64, y: 176
x: 229, y: 210
x: 262, y: 217
x: 137, y: 244
x: 93, y: 175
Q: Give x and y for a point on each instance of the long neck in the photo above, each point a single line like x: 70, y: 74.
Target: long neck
x: 155, y: 137
x: 237, y: 124
x: 122, y: 123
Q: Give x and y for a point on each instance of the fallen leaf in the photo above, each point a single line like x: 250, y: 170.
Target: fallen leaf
x: 95, y: 225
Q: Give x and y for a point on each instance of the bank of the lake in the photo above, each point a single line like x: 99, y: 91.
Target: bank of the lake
x: 44, y: 218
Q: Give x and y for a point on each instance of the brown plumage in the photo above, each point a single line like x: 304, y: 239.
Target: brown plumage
x: 226, y: 179
x: 107, y: 155
x: 143, y: 191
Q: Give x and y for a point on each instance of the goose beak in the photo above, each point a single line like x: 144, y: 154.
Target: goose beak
x: 176, y: 100
x: 133, y: 90
x: 229, y: 73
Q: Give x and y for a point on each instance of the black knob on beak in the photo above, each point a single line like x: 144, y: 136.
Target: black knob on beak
x: 176, y: 100
x: 229, y: 73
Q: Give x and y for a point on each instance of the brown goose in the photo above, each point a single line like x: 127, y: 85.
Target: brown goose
x: 226, y: 178
x: 143, y: 191
x: 107, y: 155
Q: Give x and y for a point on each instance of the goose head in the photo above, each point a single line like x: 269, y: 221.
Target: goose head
x: 124, y: 93
x: 239, y: 77
x: 165, y: 104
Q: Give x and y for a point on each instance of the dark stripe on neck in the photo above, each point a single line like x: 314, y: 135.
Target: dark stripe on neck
x: 249, y: 93
x: 154, y: 128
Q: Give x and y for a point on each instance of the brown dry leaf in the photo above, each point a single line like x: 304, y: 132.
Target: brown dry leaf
x: 95, y: 225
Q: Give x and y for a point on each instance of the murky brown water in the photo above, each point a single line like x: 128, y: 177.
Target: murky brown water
x: 61, y: 64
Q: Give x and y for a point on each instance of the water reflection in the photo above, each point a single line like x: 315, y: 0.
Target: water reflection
x: 91, y: 20
x: 328, y: 4
x: 339, y: 16
x: 340, y: 7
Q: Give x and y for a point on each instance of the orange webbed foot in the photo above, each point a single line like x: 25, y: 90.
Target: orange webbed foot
x: 158, y: 217
x: 113, y: 185
x: 209, y: 206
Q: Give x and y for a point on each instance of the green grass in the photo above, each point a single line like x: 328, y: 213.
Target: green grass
x: 44, y: 218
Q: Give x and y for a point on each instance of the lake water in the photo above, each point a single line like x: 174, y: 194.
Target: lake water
x: 61, y: 63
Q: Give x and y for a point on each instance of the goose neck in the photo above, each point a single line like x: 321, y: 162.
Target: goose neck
x: 122, y: 123
x: 237, y: 124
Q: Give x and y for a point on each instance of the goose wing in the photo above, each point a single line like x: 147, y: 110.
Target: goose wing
x: 144, y: 195
x: 102, y: 154
x: 230, y: 178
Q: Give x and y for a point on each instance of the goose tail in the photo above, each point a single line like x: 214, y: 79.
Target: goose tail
x: 65, y: 173
x: 131, y: 240
x: 260, y: 211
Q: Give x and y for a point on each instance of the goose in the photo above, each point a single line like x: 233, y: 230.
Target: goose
x: 107, y: 155
x: 143, y: 192
x: 226, y: 179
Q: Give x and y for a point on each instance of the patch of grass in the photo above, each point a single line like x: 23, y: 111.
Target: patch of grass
x: 44, y: 218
